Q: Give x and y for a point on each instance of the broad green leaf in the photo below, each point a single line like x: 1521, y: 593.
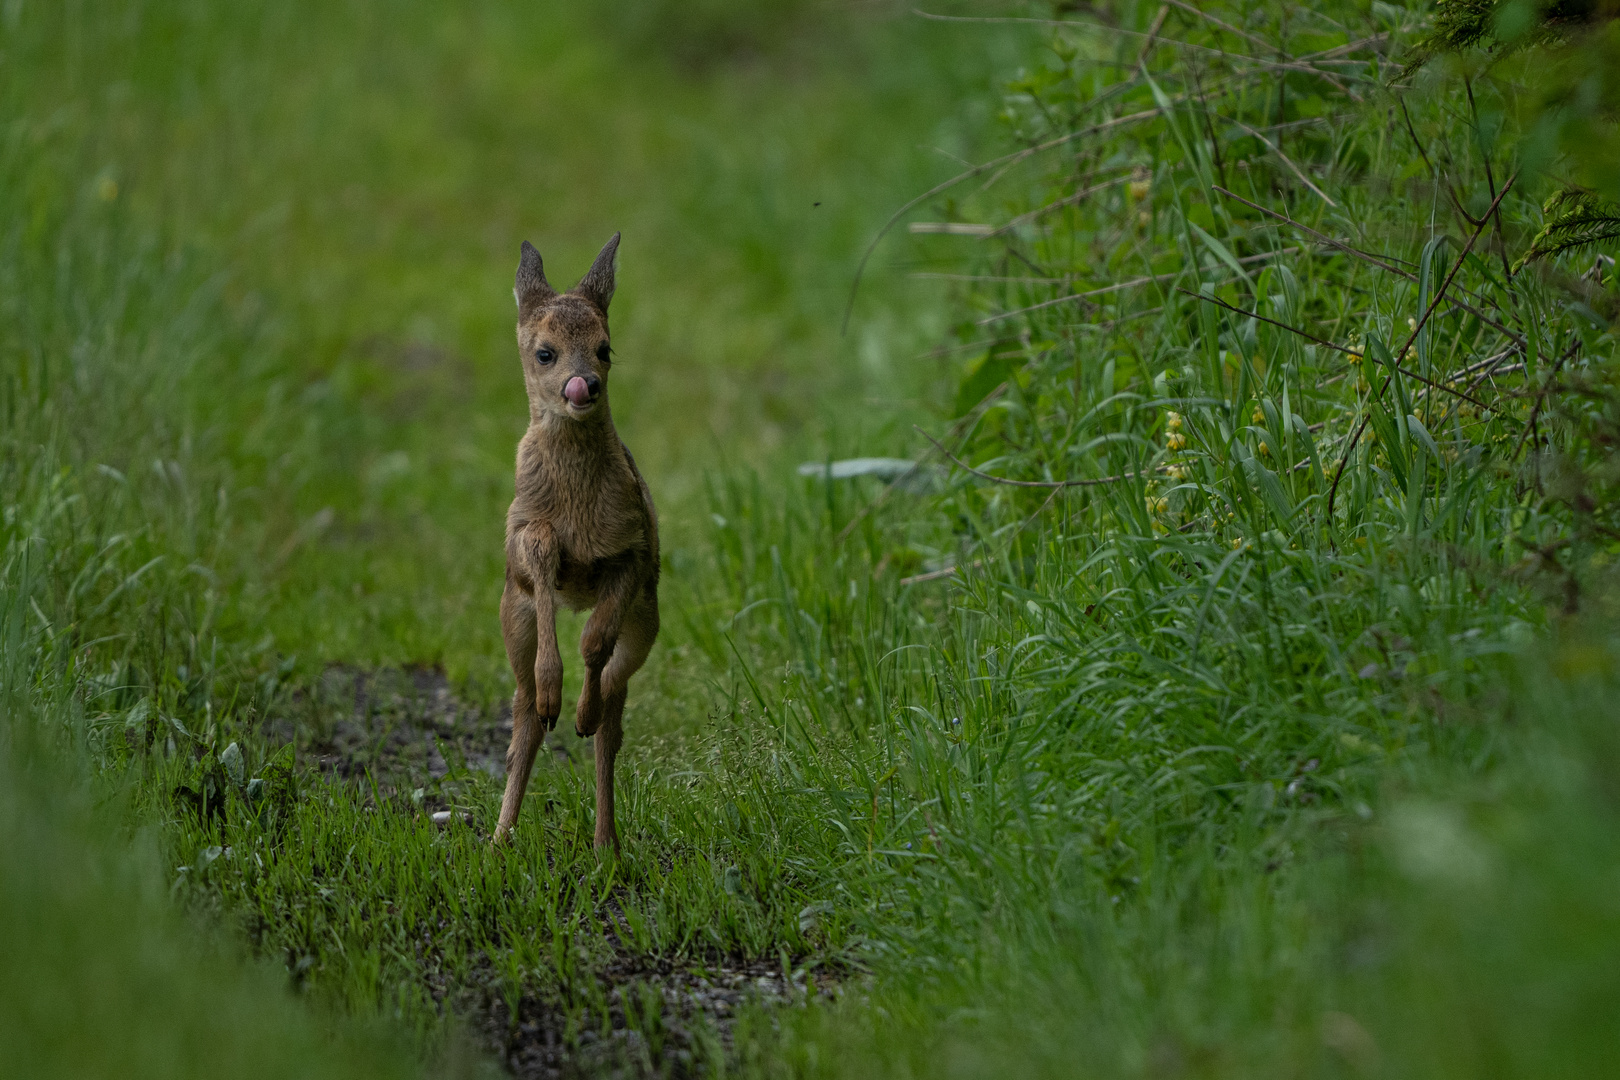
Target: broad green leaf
x: 1221, y: 253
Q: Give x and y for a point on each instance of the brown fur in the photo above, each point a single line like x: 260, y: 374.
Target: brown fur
x: 581, y: 531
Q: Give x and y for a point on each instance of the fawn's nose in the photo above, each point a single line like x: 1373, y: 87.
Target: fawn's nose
x: 581, y: 390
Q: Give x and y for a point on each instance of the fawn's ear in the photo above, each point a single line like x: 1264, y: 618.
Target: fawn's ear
x: 532, y: 288
x: 597, y: 284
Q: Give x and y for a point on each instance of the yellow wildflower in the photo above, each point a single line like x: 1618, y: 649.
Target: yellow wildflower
x: 1176, y: 441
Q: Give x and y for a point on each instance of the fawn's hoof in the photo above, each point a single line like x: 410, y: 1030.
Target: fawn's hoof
x: 588, y: 716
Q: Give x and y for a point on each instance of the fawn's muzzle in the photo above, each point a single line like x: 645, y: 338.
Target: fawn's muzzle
x: 581, y: 390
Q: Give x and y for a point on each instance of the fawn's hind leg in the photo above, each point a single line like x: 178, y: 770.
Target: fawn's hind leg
x: 619, y: 599
x: 536, y: 702
x: 635, y: 642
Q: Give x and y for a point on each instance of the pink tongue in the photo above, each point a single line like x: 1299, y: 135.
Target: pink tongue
x: 577, y: 392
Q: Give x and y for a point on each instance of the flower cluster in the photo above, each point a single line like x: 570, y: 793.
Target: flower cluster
x: 1175, y: 440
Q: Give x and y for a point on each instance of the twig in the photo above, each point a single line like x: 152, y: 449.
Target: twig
x: 1481, y: 365
x: 1509, y: 369
x: 1303, y: 68
x: 1487, y: 369
x: 1490, y: 182
x: 1013, y: 536
x: 1286, y: 160
x: 932, y: 575
x: 1262, y: 318
x: 1347, y: 47
x: 1323, y: 237
x: 894, y: 485
x: 1253, y: 39
x: 1067, y: 200
x: 1456, y: 202
x: 977, y: 170
x: 1491, y: 376
x: 1349, y: 352
x: 1117, y: 286
x: 1042, y: 484
x: 1412, y: 131
x: 1541, y: 397
x: 930, y: 275
x: 1152, y: 37
x: 1416, y: 330
x: 1378, y: 261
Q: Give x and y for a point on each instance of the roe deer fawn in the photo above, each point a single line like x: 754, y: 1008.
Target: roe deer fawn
x: 581, y: 531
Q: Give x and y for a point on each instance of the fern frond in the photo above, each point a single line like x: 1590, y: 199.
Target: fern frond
x: 1576, y: 219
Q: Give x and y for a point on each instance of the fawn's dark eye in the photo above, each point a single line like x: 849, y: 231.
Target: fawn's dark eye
x: 545, y: 356
x: 603, y: 352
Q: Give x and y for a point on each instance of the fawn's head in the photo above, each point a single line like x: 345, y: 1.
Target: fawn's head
x: 563, y: 337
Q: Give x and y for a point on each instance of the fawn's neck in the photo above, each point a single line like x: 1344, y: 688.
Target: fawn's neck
x: 568, y: 453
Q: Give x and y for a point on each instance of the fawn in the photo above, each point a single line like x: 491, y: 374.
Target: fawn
x: 581, y: 531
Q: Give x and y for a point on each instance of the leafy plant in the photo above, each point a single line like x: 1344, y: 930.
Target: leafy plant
x: 1576, y: 220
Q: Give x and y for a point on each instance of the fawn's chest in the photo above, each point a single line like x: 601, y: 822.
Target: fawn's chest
x: 587, y: 497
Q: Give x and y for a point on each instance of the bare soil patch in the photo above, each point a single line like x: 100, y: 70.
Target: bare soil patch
x: 407, y: 736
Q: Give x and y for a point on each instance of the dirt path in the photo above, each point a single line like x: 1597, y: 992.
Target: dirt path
x: 407, y: 733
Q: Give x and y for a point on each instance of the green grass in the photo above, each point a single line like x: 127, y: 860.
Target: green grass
x: 107, y: 977
x: 1219, y: 766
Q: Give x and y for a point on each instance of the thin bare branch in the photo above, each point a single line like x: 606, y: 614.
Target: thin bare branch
x: 1380, y: 261
x: 1342, y: 50
x: 1255, y: 315
x: 1416, y: 330
x: 1042, y: 484
x: 977, y: 170
x: 894, y: 485
x: 1375, y: 260
x: 931, y: 275
x: 1490, y: 370
x: 1067, y: 200
x: 1286, y: 160
x: 1252, y: 39
x: 1350, y: 352
x: 1152, y: 37
x: 1118, y: 286
x: 1541, y: 396
x: 1259, y: 62
x: 932, y: 575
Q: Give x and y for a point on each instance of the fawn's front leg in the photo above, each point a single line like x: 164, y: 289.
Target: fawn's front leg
x: 529, y: 626
x: 618, y: 585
